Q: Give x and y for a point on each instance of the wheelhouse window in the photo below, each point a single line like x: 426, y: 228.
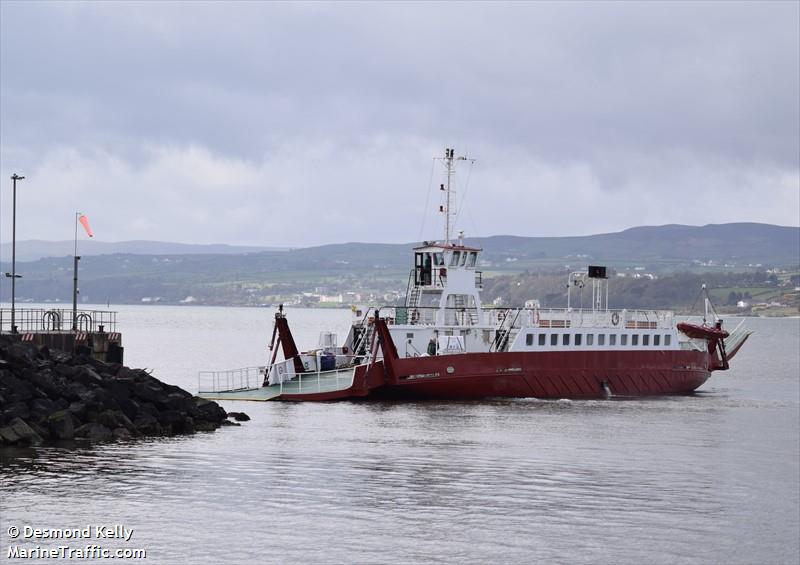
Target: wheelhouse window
x: 565, y: 339
x: 667, y: 340
x: 578, y: 339
x: 473, y: 258
x: 529, y: 339
x: 623, y: 339
x: 635, y: 339
x: 438, y: 259
x: 454, y: 258
x: 589, y: 339
x: 601, y: 339
x: 463, y: 258
x: 656, y: 340
x: 645, y: 339
x: 542, y: 338
x: 553, y: 339
x: 612, y: 339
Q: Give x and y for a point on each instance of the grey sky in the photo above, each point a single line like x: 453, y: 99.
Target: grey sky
x: 298, y: 124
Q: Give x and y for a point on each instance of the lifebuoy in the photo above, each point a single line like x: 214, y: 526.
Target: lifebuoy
x: 615, y: 318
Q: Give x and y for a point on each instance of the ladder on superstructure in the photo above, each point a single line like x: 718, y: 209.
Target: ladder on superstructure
x: 471, y: 313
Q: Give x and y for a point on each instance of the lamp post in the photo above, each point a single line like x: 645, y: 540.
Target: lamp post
x: 15, y: 177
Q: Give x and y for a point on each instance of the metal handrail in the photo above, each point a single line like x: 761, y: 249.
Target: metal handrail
x: 30, y: 320
x: 319, y: 375
x: 245, y: 378
x: 577, y: 317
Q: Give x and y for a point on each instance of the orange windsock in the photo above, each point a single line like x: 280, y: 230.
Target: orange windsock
x: 85, y: 223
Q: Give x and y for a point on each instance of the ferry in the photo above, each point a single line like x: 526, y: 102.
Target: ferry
x: 443, y: 343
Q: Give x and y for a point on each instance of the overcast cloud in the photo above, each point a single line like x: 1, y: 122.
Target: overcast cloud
x: 301, y: 124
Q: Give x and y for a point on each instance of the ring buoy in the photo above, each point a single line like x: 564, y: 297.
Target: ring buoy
x: 615, y: 318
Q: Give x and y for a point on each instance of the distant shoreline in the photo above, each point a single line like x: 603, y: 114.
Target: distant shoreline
x: 347, y: 306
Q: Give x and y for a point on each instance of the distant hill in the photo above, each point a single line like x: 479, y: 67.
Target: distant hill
x: 736, y: 243
x: 33, y: 249
x: 222, y: 274
x: 739, y: 243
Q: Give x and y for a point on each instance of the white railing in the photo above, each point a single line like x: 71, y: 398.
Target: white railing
x: 539, y: 317
x: 320, y: 381
x: 246, y: 378
x: 582, y: 318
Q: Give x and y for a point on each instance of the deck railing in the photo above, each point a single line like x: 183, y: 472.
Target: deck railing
x: 250, y: 378
x: 246, y: 378
x: 529, y: 317
x: 319, y: 381
x: 29, y: 320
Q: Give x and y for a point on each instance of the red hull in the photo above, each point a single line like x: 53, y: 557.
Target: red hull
x: 589, y: 374
x: 547, y: 375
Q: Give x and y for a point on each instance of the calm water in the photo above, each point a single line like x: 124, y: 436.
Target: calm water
x: 712, y: 478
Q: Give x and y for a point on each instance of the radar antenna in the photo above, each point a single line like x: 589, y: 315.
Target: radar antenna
x: 448, y: 196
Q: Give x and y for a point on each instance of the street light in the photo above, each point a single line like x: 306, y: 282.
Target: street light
x: 15, y: 177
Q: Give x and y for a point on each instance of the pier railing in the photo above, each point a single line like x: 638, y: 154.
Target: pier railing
x: 29, y: 320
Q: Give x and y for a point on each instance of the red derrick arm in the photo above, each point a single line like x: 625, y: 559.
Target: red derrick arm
x: 387, y: 346
x: 287, y: 342
x: 715, y: 337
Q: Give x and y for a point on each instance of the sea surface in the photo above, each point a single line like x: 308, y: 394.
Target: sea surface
x: 708, y: 478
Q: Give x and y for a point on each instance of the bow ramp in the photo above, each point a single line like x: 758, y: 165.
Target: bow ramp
x: 736, y: 339
x: 249, y: 384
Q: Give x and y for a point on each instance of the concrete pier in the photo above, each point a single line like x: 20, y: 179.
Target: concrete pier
x: 90, y: 332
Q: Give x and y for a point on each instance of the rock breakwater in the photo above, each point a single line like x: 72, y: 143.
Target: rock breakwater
x: 49, y: 395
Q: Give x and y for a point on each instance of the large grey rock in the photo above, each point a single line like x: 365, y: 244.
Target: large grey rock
x: 177, y: 401
x: 122, y: 434
x: 147, y: 424
x: 20, y: 354
x: 77, y: 408
x: 19, y: 432
x: 208, y: 410
x: 62, y: 424
x: 88, y: 376
x: 116, y: 419
x: 17, y: 390
x: 67, y: 371
x: 94, y: 432
x: 205, y: 426
x: 148, y: 392
x: 16, y: 410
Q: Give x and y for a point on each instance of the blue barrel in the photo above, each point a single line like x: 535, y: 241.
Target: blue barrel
x: 327, y: 362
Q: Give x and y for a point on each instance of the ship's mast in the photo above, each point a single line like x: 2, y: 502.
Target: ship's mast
x: 449, y: 194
